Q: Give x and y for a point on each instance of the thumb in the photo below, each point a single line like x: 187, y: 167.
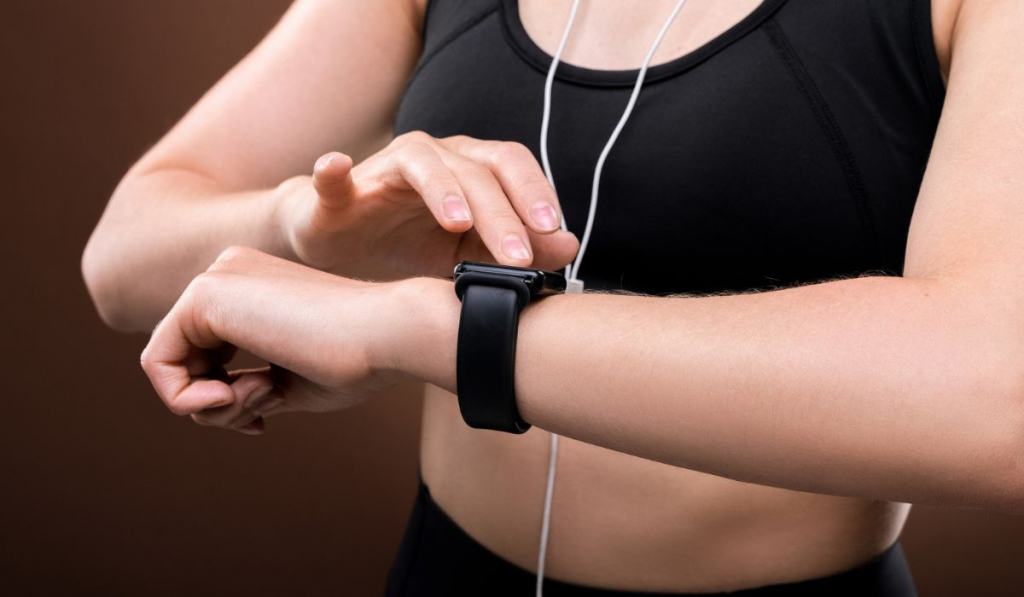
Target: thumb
x: 332, y: 179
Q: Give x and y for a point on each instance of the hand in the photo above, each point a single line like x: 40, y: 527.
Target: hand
x: 422, y: 204
x: 323, y: 335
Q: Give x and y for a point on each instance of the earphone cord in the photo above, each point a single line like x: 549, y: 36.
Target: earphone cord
x: 572, y: 270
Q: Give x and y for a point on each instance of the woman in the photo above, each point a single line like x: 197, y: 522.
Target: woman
x: 813, y: 212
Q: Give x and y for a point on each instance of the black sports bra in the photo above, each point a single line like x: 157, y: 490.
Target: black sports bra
x: 788, y: 149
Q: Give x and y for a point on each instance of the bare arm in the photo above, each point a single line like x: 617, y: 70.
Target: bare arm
x: 329, y: 75
x: 897, y: 388
x: 905, y: 389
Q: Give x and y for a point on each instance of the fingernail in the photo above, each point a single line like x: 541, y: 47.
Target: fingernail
x: 455, y: 208
x: 514, y: 247
x: 268, y: 406
x: 254, y: 428
x: 256, y: 397
x: 544, y: 214
x: 323, y: 163
x: 222, y: 402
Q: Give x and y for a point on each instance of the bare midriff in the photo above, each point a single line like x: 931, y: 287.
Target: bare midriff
x: 619, y: 521
x: 623, y: 522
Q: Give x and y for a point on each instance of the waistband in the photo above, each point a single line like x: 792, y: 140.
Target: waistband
x: 437, y: 557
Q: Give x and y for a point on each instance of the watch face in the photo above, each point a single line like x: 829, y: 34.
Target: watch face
x: 540, y: 282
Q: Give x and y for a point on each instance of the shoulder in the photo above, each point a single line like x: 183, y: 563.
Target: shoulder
x: 991, y: 26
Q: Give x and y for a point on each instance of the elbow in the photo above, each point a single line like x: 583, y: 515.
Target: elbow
x: 107, y: 266
x: 979, y: 397
x: 1004, y: 446
x: 1011, y: 498
x: 1007, y: 486
x: 983, y: 373
x: 103, y: 286
x: 104, y: 265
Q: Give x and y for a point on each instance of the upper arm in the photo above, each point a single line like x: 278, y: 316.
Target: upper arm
x: 967, y: 230
x: 328, y: 76
x: 968, y: 222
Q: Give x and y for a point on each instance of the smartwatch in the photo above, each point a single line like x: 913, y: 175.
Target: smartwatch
x: 492, y: 297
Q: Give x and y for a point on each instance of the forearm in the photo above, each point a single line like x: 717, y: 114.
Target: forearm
x: 163, y: 228
x: 881, y: 387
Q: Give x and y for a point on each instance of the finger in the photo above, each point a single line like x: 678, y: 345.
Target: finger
x: 255, y: 427
x: 244, y: 422
x: 253, y: 420
x: 332, y: 180
x: 554, y: 251
x: 202, y: 394
x: 266, y: 399
x: 423, y: 169
x: 171, y: 352
x: 170, y: 377
x: 264, y: 396
x: 498, y: 224
x: 205, y: 363
x: 210, y: 363
x: 250, y: 389
x: 521, y: 177
x: 550, y: 251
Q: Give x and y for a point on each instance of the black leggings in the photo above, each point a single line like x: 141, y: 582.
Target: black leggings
x: 437, y: 557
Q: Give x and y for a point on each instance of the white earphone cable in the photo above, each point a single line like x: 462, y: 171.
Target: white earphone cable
x: 545, y: 527
x: 548, y: 84
x: 572, y: 270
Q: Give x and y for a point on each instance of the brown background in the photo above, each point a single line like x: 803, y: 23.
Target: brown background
x: 104, y: 492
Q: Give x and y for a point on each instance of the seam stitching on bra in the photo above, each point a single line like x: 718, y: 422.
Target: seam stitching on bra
x: 444, y: 43
x: 829, y: 125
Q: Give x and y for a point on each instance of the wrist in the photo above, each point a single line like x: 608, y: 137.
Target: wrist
x: 420, y: 339
x: 285, y: 200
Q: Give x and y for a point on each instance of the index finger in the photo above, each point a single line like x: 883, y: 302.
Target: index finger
x: 520, y: 176
x: 176, y: 363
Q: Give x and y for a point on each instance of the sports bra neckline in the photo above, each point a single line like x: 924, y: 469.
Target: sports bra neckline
x: 535, y: 56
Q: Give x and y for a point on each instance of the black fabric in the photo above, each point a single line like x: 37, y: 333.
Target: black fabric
x: 789, y: 149
x: 438, y: 558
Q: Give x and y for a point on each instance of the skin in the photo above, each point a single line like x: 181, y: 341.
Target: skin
x: 214, y: 181
x: 711, y: 442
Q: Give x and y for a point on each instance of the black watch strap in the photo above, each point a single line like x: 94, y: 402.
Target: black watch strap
x: 486, y: 357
